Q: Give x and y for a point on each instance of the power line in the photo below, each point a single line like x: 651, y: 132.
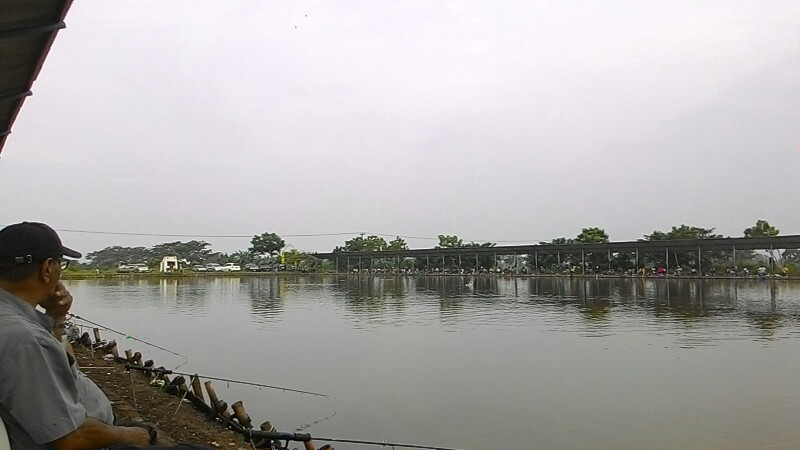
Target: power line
x: 124, y: 233
x: 240, y: 236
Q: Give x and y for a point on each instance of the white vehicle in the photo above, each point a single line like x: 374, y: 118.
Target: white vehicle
x: 141, y: 267
x: 231, y: 267
x: 214, y: 267
x: 126, y: 268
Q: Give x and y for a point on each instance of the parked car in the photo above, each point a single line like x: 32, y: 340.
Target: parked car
x: 199, y: 268
x: 214, y: 267
x: 232, y: 267
x: 126, y: 268
x: 250, y: 267
x: 266, y: 267
x: 141, y: 268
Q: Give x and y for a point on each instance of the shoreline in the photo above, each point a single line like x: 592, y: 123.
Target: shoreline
x: 133, y: 397
x: 178, y: 275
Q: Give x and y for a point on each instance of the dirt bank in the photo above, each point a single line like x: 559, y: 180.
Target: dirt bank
x: 153, y: 405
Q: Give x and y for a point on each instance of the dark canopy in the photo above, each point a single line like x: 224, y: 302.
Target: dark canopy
x: 27, y: 31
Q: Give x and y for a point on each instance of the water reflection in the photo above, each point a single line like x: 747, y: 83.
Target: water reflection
x: 530, y: 341
x: 701, y: 311
x: 266, y: 298
x: 764, y: 305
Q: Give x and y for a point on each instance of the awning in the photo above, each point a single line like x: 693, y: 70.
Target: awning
x: 27, y: 31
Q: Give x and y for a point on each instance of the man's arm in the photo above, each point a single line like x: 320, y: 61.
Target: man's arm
x: 93, y: 434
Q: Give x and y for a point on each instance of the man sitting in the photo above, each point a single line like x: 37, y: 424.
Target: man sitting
x: 45, y: 401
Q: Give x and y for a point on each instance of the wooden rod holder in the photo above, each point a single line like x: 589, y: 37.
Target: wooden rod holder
x: 197, y: 388
x: 241, y: 414
x: 212, y: 393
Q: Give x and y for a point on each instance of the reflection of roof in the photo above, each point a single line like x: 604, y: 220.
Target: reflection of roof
x: 27, y: 30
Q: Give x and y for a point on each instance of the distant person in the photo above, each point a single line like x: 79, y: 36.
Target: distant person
x: 45, y: 401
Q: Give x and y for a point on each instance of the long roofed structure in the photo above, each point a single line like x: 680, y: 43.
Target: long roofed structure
x: 724, y: 244
x: 27, y: 31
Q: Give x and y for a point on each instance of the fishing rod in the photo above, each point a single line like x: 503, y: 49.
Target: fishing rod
x: 248, y: 383
x: 128, y: 336
x: 166, y: 371
x: 268, y: 436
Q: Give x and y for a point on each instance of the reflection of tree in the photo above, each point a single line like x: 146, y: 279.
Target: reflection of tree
x: 594, y: 305
x: 266, y: 300
x: 768, y: 322
x: 369, y: 296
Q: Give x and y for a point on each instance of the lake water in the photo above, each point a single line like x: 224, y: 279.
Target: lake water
x: 483, y: 363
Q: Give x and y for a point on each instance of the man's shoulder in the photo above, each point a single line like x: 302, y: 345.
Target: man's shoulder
x: 16, y: 330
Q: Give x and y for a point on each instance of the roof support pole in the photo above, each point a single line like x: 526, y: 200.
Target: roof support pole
x: 583, y: 262
x: 734, y: 258
x: 666, y: 251
x: 637, y: 259
x: 699, y: 261
x: 477, y: 264
x: 536, y: 261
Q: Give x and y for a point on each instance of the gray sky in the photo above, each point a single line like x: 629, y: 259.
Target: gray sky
x: 491, y: 120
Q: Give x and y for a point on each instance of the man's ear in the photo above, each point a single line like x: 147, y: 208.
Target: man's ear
x: 46, y: 271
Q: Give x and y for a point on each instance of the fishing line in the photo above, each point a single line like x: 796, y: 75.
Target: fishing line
x: 252, y: 435
x: 383, y: 443
x: 128, y: 336
x: 309, y: 425
x: 228, y: 380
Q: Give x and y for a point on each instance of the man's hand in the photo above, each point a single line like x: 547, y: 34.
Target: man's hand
x: 139, y: 437
x: 57, y: 305
x: 93, y: 434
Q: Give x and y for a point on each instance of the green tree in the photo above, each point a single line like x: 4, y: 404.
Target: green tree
x: 592, y: 235
x: 110, y: 257
x: 683, y: 232
x: 242, y: 257
x: 397, y: 243
x: 266, y: 244
x: 448, y: 241
x: 369, y: 243
x: 192, y: 251
x: 298, y: 259
x: 762, y: 228
x: 687, y: 258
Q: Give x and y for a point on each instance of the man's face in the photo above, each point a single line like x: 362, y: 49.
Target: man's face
x: 50, y: 273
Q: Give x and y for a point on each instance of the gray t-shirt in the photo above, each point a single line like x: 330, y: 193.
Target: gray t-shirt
x: 42, y: 396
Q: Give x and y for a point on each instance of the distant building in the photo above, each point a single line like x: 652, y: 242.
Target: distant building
x: 170, y: 264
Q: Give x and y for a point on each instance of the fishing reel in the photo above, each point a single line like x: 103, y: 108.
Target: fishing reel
x: 269, y: 438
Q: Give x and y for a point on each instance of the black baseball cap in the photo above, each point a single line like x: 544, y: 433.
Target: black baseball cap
x: 28, y: 242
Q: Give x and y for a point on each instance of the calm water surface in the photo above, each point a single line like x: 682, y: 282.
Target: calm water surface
x: 484, y: 363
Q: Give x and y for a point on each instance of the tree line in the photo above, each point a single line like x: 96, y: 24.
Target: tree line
x: 269, y: 247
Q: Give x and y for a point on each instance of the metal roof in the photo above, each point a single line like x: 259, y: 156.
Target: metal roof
x: 726, y: 244
x: 27, y: 31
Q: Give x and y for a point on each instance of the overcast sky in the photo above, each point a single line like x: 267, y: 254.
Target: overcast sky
x: 495, y: 121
